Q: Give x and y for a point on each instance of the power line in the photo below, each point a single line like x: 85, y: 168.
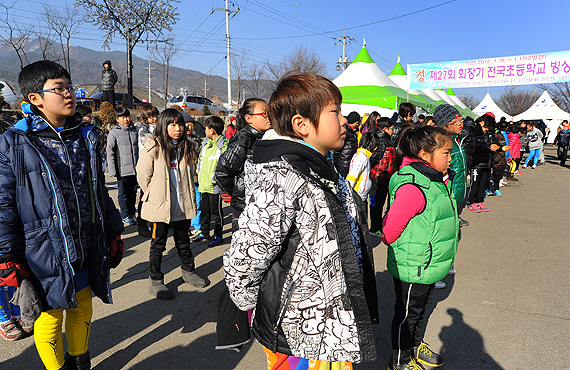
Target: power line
x: 349, y: 28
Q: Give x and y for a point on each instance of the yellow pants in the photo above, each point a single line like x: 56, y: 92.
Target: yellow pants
x: 48, y: 327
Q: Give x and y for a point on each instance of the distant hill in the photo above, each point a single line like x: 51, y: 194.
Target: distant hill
x: 86, y: 70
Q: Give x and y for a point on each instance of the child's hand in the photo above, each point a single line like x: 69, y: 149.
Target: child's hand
x: 116, y: 250
x: 494, y: 147
x: 11, y: 271
x: 506, y: 148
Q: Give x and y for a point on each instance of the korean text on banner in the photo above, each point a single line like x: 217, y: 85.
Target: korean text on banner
x: 516, y: 70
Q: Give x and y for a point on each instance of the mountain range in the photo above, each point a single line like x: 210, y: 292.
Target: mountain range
x: 86, y: 66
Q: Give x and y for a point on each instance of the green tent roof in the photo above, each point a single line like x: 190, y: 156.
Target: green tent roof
x: 381, y: 96
x: 363, y: 57
x: 450, y: 92
x: 398, y: 70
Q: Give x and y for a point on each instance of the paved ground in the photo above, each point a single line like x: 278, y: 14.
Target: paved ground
x: 508, y: 307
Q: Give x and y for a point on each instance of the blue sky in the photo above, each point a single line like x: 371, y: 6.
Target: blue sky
x: 270, y: 29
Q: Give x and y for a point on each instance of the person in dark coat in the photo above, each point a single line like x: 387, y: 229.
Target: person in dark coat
x: 404, y: 118
x: 108, y: 80
x: 343, y: 156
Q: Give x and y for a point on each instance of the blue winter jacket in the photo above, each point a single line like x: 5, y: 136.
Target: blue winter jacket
x: 34, y: 221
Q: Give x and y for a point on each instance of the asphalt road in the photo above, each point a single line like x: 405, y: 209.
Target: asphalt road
x: 508, y: 306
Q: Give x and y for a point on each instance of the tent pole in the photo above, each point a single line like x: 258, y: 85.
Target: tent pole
x: 408, y: 96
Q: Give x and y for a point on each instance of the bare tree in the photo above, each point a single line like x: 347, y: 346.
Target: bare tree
x: 64, y: 23
x: 300, y: 60
x: 560, y: 93
x: 469, y: 100
x: 255, y: 74
x: 239, y: 70
x: 132, y: 20
x: 162, y: 53
x: 14, y: 34
x: 513, y: 101
x: 46, y: 43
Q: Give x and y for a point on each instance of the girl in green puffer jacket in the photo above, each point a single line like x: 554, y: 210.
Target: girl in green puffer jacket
x: 421, y: 231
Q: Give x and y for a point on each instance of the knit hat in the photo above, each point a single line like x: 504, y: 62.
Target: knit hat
x: 353, y: 117
x: 444, y: 114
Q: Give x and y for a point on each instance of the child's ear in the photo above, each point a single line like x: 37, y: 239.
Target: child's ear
x: 300, y: 125
x: 425, y: 156
x: 35, y: 99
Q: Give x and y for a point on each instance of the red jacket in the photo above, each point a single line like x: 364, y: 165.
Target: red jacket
x: 515, y: 144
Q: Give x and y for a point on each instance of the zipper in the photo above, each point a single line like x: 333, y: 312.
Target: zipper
x: 430, y: 256
x: 76, y: 199
x: 281, y: 314
x: 57, y: 206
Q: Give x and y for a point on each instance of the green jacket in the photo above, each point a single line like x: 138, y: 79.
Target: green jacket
x: 459, y: 166
x: 209, y: 155
x: 425, y: 250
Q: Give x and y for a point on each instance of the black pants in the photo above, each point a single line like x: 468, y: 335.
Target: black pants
x: 235, y: 217
x: 479, y: 181
x: 497, y: 176
x: 211, y: 207
x: 380, y: 196
x: 127, y: 195
x: 562, y: 154
x: 408, y: 322
x: 158, y: 246
x: 108, y: 95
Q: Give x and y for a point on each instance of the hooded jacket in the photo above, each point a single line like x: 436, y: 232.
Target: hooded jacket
x: 122, y: 151
x: 301, y: 256
x: 35, y: 218
x: 108, y: 78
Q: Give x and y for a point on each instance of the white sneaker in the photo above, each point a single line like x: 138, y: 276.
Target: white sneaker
x: 502, y: 183
x: 440, y: 285
x: 451, y: 271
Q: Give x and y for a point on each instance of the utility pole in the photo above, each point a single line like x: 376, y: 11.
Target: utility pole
x: 345, y: 40
x: 149, y: 72
x: 227, y: 10
x: 205, y: 87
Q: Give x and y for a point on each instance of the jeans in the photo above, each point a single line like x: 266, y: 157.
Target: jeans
x: 127, y: 196
x: 535, y: 153
x: 195, y: 223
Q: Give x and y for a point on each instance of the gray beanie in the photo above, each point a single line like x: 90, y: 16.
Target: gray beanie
x: 444, y: 114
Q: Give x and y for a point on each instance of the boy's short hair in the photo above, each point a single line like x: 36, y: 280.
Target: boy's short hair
x: 122, y: 112
x: 83, y: 110
x: 215, y: 123
x: 488, y: 121
x: 369, y: 141
x: 384, y: 122
x: 406, y: 109
x: 33, y: 77
x: 305, y: 94
x: 421, y: 116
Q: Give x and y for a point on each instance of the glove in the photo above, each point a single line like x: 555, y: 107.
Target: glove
x: 11, y: 271
x: 226, y: 197
x: 116, y: 250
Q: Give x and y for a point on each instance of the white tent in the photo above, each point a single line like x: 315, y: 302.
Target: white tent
x: 489, y: 105
x: 545, y: 109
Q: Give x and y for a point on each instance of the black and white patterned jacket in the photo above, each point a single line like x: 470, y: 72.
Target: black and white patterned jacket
x: 301, y: 256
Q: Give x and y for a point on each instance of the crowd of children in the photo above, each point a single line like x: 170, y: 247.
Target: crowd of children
x: 303, y: 182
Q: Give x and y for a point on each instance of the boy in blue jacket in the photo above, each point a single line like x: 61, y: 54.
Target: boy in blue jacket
x: 58, y: 226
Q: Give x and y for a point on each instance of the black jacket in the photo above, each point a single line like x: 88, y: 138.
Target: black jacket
x: 229, y: 171
x: 343, y: 156
x: 482, y: 157
x: 385, y: 141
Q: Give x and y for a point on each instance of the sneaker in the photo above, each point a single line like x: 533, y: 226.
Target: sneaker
x: 194, y: 233
x: 144, y: 232
x: 10, y: 331
x: 192, y: 278
x: 423, y: 354
x: 533, y: 166
x: 488, y: 192
x: 523, y: 166
x: 127, y: 221
x: 440, y: 284
x: 26, y: 329
x: 463, y: 222
x: 411, y: 365
x: 451, y: 271
x: 199, y: 238
x: 502, y: 183
x: 216, y: 240
x: 473, y: 207
x: 498, y: 193
x: 160, y: 291
x: 482, y: 207
x: 518, y: 172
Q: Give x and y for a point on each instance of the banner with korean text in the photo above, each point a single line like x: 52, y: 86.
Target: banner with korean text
x: 516, y: 70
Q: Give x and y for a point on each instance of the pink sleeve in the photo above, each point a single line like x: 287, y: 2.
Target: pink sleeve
x: 409, y: 201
